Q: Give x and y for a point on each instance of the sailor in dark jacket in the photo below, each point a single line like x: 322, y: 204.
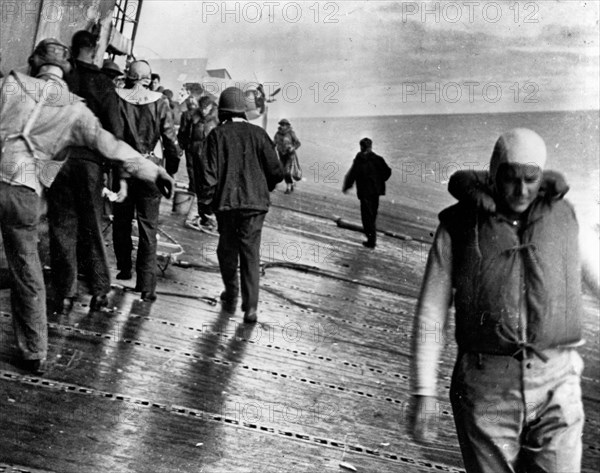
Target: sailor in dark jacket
x: 369, y: 171
x: 146, y: 120
x: 75, y: 199
x: 241, y: 169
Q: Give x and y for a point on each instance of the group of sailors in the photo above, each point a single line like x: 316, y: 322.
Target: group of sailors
x: 506, y: 254
x: 89, y: 108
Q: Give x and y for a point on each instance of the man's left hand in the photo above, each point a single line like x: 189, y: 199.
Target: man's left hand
x: 423, y: 417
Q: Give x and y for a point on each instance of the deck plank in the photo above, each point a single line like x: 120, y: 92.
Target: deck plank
x: 180, y: 386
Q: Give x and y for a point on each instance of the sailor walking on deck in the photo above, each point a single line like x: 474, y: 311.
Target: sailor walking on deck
x: 240, y: 170
x: 507, y: 256
x: 370, y: 172
x: 146, y: 120
x: 195, y: 128
x: 287, y: 143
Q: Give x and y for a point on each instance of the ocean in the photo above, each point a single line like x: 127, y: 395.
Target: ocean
x: 424, y: 150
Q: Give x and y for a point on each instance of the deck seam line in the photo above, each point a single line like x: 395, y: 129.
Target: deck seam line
x: 52, y: 385
x: 220, y: 361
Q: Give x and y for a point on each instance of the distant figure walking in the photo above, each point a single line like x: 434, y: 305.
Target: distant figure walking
x: 184, y: 137
x: 369, y: 171
x: 287, y: 143
x: 204, y: 120
x: 240, y: 170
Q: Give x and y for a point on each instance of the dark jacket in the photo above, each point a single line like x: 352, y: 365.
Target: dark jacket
x: 241, y: 168
x: 502, y: 273
x: 286, y: 141
x: 91, y: 84
x: 195, y: 129
x: 369, y: 171
x: 147, y: 119
x: 185, y: 130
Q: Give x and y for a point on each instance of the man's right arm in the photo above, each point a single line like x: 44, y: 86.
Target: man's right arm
x: 349, y: 179
x: 207, y: 177
x: 183, y: 131
x: 429, y: 334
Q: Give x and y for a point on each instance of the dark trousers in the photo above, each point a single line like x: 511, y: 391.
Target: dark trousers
x: 197, y: 156
x: 239, y: 240
x: 75, y: 226
x: 144, y: 199
x: 189, y: 164
x: 368, y: 212
x: 19, y: 218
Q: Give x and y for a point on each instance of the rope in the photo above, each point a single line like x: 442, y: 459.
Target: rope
x: 510, y: 336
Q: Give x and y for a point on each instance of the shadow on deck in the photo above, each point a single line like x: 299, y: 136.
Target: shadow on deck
x: 181, y: 386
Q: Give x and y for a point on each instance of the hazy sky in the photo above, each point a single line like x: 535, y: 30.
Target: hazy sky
x: 388, y: 58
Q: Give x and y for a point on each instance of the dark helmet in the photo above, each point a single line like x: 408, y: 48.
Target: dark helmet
x: 50, y: 51
x: 284, y: 121
x: 232, y: 99
x: 111, y: 68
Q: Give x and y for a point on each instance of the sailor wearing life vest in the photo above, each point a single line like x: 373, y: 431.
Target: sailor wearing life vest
x: 513, y: 269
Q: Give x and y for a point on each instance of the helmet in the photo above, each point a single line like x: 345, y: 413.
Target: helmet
x: 284, y: 121
x: 111, y: 68
x: 50, y: 51
x: 139, y: 71
x: 232, y: 99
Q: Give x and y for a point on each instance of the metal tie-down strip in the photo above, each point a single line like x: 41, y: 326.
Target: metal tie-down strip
x: 204, y: 415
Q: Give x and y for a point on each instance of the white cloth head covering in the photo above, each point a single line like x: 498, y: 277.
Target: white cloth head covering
x: 520, y: 146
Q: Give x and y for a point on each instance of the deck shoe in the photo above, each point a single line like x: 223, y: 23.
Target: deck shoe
x: 98, y: 302
x: 35, y: 366
x: 193, y: 223
x: 209, y: 227
x: 148, y: 296
x: 250, y: 316
x: 124, y: 274
x: 228, y: 302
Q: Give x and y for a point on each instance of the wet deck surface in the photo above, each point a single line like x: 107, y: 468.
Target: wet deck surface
x: 181, y: 386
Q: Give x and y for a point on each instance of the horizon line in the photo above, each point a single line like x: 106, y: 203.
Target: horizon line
x: 447, y: 114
